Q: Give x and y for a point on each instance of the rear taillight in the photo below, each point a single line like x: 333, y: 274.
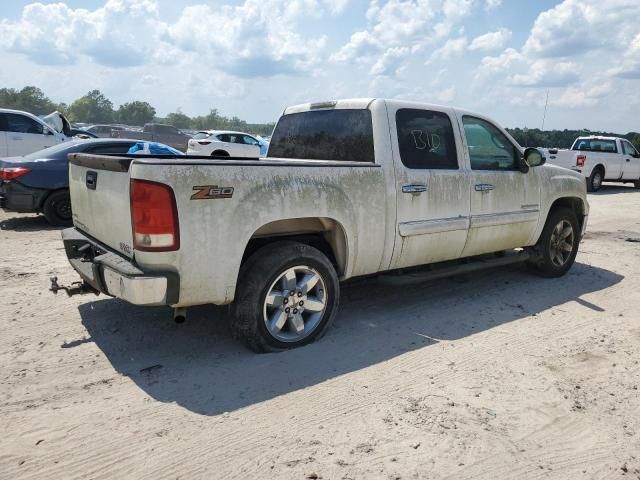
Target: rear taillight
x: 154, y: 217
x: 11, y: 173
x: 580, y: 159
x: 204, y: 142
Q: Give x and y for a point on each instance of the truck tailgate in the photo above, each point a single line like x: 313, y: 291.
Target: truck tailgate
x: 99, y: 188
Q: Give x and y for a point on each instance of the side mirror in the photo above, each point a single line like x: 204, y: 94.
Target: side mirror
x: 533, y: 157
x: 46, y: 131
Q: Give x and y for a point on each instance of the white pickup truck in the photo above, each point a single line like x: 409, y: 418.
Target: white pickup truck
x: 600, y: 159
x: 349, y: 188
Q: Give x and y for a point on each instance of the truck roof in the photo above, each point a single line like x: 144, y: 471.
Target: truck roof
x: 598, y: 137
x: 361, y: 103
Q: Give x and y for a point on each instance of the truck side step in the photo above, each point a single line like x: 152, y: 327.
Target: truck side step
x: 453, y: 268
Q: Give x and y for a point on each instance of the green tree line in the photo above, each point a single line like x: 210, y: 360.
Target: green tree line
x: 95, y: 107
x: 562, y: 138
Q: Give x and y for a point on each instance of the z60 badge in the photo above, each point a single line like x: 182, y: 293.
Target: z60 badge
x: 209, y: 192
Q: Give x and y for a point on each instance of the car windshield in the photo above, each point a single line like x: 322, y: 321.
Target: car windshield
x: 595, y: 145
x: 52, y: 151
x: 201, y: 135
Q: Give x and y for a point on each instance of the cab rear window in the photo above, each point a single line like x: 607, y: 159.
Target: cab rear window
x: 595, y: 145
x: 341, y: 135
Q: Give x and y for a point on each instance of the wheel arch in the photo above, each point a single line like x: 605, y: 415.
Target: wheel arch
x: 220, y: 152
x: 576, y: 204
x: 326, y: 234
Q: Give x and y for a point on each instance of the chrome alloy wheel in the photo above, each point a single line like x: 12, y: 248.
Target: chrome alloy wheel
x: 295, y: 304
x: 561, y: 243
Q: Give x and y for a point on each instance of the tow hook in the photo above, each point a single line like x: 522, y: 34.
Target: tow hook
x: 76, y: 288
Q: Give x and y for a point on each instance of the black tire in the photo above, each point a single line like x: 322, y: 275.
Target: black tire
x: 57, y: 209
x: 258, y: 275
x: 594, y: 182
x: 636, y: 184
x: 544, y: 264
x: 220, y: 153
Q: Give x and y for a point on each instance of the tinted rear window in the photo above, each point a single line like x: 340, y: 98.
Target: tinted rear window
x: 426, y: 139
x: 595, y: 145
x: 340, y: 135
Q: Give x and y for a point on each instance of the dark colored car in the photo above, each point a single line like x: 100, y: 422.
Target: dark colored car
x: 39, y: 182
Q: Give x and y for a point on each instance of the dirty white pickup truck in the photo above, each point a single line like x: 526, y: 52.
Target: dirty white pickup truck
x: 349, y: 188
x: 600, y: 159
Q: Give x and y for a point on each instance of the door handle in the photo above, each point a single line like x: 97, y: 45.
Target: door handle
x: 484, y: 187
x: 414, y: 188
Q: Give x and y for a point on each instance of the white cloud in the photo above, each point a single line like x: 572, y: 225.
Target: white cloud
x: 452, y: 47
x: 122, y: 33
x: 491, y: 41
x: 586, y: 96
x: 545, y: 73
x: 492, y: 4
x: 410, y: 24
x: 254, y: 38
x: 390, y: 62
x: 631, y: 61
x: 575, y: 27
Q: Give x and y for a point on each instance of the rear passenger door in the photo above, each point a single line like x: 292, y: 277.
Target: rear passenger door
x: 505, y: 203
x: 432, y: 185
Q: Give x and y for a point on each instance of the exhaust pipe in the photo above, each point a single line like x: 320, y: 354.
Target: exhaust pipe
x: 179, y: 315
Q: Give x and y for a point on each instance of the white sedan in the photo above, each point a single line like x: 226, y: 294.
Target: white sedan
x: 224, y: 144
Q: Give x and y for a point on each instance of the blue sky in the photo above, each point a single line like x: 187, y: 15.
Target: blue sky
x: 251, y: 58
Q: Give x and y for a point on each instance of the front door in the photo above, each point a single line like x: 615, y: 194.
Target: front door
x: 630, y: 162
x: 431, y: 184
x: 25, y: 135
x: 505, y: 203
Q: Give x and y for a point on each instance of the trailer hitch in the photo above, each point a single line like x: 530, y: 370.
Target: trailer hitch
x: 76, y: 288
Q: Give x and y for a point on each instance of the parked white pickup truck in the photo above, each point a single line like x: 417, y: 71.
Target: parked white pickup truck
x: 349, y: 188
x: 600, y: 159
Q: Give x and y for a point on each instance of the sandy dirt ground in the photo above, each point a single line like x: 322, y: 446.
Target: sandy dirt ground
x: 494, y: 375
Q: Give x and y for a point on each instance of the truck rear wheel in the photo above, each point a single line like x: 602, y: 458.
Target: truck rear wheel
x: 287, y: 296
x: 557, y: 247
x: 594, y: 182
x: 57, y: 209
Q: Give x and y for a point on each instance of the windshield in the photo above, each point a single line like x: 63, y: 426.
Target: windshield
x: 52, y: 151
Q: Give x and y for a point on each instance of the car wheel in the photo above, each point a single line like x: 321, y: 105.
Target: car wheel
x: 287, y: 296
x: 594, y: 182
x: 557, y: 247
x: 220, y: 153
x: 636, y: 184
x: 57, y: 209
